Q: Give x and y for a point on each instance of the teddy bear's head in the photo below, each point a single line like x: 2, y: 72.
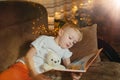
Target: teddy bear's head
x: 53, y: 59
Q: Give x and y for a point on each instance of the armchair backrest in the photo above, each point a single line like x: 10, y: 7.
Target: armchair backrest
x: 17, y: 19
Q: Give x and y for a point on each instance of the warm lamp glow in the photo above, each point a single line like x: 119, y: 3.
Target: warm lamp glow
x: 112, y: 8
x: 117, y: 3
x: 115, y: 11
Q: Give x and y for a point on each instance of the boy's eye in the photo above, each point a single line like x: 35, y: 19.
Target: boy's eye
x: 70, y: 38
x: 74, y: 42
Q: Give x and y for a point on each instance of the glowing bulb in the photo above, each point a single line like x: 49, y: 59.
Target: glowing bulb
x: 89, y: 1
x: 57, y: 15
x: 74, y: 9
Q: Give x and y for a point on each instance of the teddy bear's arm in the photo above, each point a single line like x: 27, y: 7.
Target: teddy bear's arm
x: 46, y: 67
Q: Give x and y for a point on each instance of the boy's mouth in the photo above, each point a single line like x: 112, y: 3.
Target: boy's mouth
x: 67, y: 45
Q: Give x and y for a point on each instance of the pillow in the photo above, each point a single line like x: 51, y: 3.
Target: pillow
x: 88, y: 44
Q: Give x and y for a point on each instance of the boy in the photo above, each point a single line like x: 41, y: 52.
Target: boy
x: 68, y: 35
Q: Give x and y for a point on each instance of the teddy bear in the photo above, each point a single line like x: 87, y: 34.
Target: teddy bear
x: 52, y: 61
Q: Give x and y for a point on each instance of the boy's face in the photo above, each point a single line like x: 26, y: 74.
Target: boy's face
x: 68, y: 37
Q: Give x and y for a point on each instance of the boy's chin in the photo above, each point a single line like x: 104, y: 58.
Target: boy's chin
x: 65, y: 47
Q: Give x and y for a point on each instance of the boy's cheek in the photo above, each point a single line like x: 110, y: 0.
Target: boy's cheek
x: 71, y: 45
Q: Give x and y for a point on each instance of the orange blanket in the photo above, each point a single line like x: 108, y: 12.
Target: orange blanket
x: 17, y: 71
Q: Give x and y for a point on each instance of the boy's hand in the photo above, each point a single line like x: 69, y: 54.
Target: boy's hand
x: 76, y: 76
x: 42, y: 77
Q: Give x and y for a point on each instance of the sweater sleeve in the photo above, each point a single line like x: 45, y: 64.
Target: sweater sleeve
x: 67, y: 54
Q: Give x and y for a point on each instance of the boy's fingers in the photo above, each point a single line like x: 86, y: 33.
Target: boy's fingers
x: 42, y: 77
x: 79, y: 74
x: 76, y: 76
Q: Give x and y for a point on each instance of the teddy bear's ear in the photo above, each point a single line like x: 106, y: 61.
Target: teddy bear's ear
x: 51, y: 53
x: 48, y: 54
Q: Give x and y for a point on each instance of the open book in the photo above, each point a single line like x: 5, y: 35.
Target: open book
x: 80, y: 65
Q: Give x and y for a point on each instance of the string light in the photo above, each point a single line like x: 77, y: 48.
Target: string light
x: 43, y: 30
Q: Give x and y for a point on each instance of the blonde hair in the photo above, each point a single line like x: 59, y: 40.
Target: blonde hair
x: 74, y: 27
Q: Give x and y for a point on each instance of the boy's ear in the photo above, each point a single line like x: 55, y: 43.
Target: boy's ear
x: 60, y: 32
